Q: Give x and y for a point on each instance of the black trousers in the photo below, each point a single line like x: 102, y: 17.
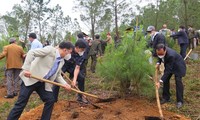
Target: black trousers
x: 25, y: 92
x: 179, y: 88
x: 81, y: 85
x: 183, y: 50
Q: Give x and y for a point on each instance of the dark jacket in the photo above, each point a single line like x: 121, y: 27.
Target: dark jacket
x: 174, y: 64
x: 182, y: 37
x: 158, y: 39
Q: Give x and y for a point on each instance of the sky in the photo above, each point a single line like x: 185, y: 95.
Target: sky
x: 67, y: 5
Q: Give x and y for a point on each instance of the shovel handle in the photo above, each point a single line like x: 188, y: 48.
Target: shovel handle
x: 188, y: 54
x: 157, y: 94
x: 61, y: 85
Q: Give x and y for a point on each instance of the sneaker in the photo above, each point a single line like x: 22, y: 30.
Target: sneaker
x: 80, y: 100
x: 9, y: 96
x: 179, y: 105
x: 163, y: 101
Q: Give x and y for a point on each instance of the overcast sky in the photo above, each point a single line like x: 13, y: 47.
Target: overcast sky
x: 6, y: 5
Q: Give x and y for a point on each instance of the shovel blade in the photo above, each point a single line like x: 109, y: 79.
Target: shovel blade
x: 100, y: 100
x: 152, y: 118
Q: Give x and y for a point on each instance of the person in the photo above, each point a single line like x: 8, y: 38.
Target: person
x: 14, y: 58
x: 156, y: 38
x: 46, y: 43
x: 75, y: 67
x: 45, y: 63
x: 85, y: 53
x: 165, y: 31
x: 34, y: 42
x: 109, y: 39
x: 174, y: 64
x: 95, y: 50
x: 183, y: 41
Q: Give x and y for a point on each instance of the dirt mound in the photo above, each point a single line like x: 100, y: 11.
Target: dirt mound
x: 121, y: 109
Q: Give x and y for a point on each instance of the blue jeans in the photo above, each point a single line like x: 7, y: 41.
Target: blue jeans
x: 25, y: 92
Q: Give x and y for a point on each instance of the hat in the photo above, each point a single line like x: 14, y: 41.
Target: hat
x: 32, y: 35
x: 12, y: 40
x: 150, y: 28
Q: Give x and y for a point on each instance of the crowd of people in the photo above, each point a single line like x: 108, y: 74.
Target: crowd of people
x: 49, y: 62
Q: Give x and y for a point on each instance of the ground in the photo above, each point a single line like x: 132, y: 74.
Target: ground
x: 128, y: 108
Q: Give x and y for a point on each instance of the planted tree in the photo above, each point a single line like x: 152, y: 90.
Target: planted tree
x: 127, y: 67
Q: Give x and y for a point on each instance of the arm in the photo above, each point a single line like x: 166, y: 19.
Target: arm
x: 176, y: 34
x: 41, y: 52
x: 99, y: 49
x: 168, y: 68
x: 3, y: 54
x: 76, y: 72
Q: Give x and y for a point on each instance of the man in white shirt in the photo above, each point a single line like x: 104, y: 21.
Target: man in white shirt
x: 34, y: 42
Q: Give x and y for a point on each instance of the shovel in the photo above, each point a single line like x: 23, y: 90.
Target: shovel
x: 77, y: 91
x: 157, y: 94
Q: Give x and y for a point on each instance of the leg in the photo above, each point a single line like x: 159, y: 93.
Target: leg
x: 24, y: 95
x: 9, y: 81
x: 183, y: 50
x: 179, y: 89
x: 17, y: 80
x: 48, y: 98
x: 166, y: 87
x: 81, y: 84
x: 93, y: 63
x: 56, y: 92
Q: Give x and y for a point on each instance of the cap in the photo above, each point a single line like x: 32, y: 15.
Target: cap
x: 12, y: 40
x: 150, y: 28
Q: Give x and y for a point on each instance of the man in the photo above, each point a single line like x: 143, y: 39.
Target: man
x: 182, y: 40
x: 156, y: 38
x: 95, y: 49
x: 14, y: 58
x: 174, y: 64
x: 45, y: 63
x: 86, y: 51
x: 75, y: 68
x: 165, y: 31
x: 34, y: 42
x: 109, y: 39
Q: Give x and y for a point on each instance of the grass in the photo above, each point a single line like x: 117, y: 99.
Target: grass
x: 191, y: 108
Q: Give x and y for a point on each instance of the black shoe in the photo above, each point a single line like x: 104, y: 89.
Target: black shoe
x: 9, y: 96
x: 163, y: 101
x: 179, y: 105
x: 15, y: 94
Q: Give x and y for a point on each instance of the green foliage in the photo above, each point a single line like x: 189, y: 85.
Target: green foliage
x: 127, y: 66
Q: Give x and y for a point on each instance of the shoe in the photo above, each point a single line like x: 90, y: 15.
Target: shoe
x: 80, y: 100
x: 179, y: 105
x: 9, y: 96
x: 15, y: 94
x: 163, y: 101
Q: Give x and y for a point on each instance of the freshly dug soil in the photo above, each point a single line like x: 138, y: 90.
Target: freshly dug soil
x: 121, y: 109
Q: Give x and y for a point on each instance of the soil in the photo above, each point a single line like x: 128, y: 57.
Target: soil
x: 121, y: 109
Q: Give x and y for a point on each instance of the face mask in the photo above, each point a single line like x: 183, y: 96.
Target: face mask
x: 67, y: 57
x: 161, y: 56
x: 81, y: 53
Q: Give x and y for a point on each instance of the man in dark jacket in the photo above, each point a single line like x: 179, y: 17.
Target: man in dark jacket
x: 182, y: 40
x: 156, y: 38
x: 95, y: 50
x: 174, y: 64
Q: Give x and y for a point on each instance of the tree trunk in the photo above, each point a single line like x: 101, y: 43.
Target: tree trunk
x: 186, y: 15
x: 116, y: 25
